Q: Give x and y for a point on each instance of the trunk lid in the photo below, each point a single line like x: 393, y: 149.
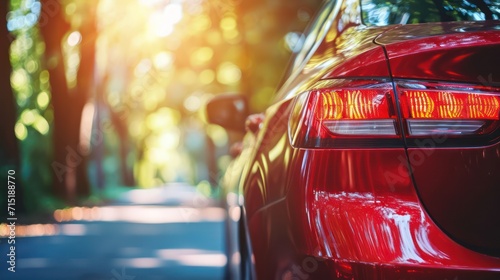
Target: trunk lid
x: 459, y: 183
x: 454, y: 51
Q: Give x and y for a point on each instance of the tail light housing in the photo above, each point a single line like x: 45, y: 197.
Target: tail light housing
x: 451, y: 110
x: 346, y: 113
x: 380, y: 113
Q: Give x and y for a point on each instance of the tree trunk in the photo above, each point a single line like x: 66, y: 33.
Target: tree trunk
x: 119, y: 124
x: 9, y: 153
x: 122, y: 131
x: 85, y: 86
x: 68, y: 157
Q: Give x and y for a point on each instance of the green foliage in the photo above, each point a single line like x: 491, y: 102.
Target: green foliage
x: 158, y: 81
x: 33, y: 128
x: 151, y: 81
x: 265, y: 26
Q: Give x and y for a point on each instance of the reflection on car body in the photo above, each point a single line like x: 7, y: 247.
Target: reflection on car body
x: 380, y: 155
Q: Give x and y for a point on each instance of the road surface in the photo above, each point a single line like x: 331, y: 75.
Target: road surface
x: 146, y: 235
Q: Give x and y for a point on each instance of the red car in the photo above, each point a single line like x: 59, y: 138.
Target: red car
x: 380, y: 155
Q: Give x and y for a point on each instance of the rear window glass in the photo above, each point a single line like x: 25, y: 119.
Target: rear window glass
x: 386, y: 12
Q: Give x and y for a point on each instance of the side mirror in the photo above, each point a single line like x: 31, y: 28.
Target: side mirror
x: 229, y: 111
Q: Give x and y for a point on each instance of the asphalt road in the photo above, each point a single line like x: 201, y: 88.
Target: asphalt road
x: 144, y: 236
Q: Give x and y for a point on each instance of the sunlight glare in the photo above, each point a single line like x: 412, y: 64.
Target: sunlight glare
x: 142, y: 68
x: 43, y: 100
x: 162, y: 23
x: 74, y: 38
x: 141, y: 263
x: 173, y: 12
x: 41, y: 125
x: 201, y: 56
x: 21, y: 131
x: 150, y: 2
x: 193, y: 257
x: 201, y: 23
x: 170, y: 139
x: 163, y: 60
x: 73, y: 229
x: 192, y: 103
x: 228, y: 23
x: 208, y: 260
x: 228, y: 73
x: 28, y: 117
x: 86, y: 126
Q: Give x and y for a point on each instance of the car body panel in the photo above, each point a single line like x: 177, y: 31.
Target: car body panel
x: 464, y: 203
x: 459, y: 188
x: 355, y: 225
x: 370, y: 213
x: 463, y: 52
x: 345, y: 38
x: 409, y: 32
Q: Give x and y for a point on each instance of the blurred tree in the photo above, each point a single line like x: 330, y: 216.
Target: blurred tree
x: 127, y: 177
x: 69, y: 165
x: 118, y: 121
x: 163, y: 59
x: 9, y: 149
x: 264, y: 25
x: 9, y: 153
x: 85, y: 84
x: 29, y: 81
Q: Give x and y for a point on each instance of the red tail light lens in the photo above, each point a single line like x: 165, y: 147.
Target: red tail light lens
x: 450, y: 105
x: 363, y: 113
x: 357, y: 110
x: 448, y: 111
x: 352, y: 104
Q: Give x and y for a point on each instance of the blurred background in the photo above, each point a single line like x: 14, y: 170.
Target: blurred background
x: 102, y: 123
x: 99, y: 95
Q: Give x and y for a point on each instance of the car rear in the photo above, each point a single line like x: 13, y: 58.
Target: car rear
x: 401, y: 173
x: 392, y: 164
x: 450, y: 113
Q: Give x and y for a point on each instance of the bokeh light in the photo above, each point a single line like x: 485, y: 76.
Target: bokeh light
x: 156, y: 64
x: 74, y: 38
x: 21, y: 131
x: 228, y: 73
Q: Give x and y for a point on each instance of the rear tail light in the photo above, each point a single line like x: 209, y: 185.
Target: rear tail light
x: 364, y: 113
x: 356, y: 111
x: 340, y: 112
x: 428, y: 110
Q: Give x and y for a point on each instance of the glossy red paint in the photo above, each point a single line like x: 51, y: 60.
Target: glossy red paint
x: 462, y: 202
x: 366, y: 217
x: 426, y: 208
x: 446, y: 53
x: 352, y: 221
x: 371, y: 63
x: 459, y: 188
